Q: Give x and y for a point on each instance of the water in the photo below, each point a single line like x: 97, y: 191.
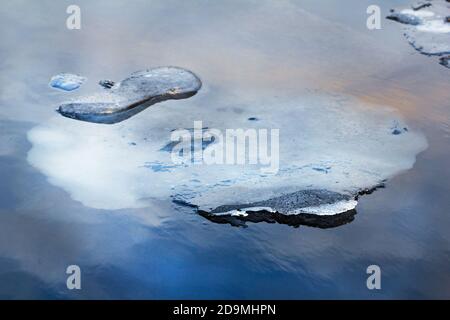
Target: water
x: 242, y: 51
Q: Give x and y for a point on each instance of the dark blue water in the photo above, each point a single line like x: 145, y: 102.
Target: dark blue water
x: 169, y: 251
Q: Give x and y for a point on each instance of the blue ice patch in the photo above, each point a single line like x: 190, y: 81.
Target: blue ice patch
x: 67, y: 81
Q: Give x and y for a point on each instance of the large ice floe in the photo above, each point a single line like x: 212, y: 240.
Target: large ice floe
x: 132, y: 95
x: 331, y: 149
x: 427, y: 27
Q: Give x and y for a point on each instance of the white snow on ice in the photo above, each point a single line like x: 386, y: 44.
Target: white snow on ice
x: 124, y: 165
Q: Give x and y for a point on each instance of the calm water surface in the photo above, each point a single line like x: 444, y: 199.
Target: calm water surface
x: 167, y: 251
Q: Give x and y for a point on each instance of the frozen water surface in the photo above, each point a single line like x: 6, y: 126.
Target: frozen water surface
x: 354, y: 142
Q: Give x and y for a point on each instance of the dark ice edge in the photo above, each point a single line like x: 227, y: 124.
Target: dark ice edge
x: 419, y: 48
x: 444, y: 61
x: 128, y: 112
x: 293, y: 220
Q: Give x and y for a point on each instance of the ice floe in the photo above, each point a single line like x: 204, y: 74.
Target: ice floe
x: 66, y: 81
x: 132, y: 95
x: 352, y: 144
x: 427, y: 27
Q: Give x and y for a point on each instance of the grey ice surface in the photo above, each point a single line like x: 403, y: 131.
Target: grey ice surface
x: 132, y: 95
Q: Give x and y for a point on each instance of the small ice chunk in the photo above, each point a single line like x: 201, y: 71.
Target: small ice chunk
x: 405, y: 18
x: 107, y: 84
x: 133, y: 95
x: 67, y: 81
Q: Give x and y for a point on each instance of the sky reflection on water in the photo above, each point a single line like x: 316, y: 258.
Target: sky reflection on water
x: 168, y: 251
